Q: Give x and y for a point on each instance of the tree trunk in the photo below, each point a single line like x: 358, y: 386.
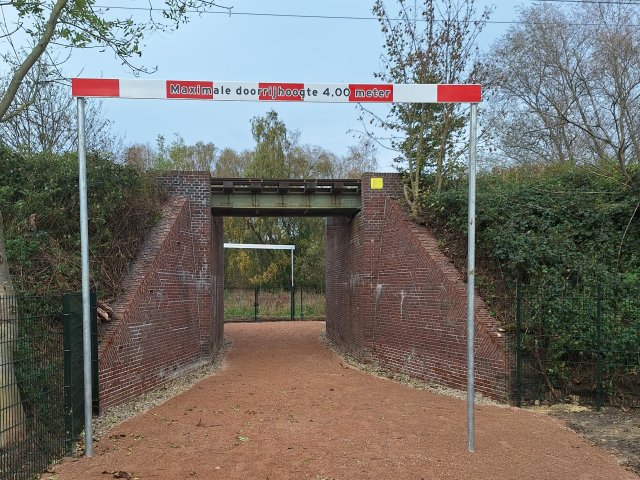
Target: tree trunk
x: 12, y: 418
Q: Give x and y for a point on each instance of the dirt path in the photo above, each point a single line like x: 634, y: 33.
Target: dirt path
x: 286, y: 407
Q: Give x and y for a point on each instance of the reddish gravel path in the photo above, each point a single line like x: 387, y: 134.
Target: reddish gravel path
x: 285, y: 407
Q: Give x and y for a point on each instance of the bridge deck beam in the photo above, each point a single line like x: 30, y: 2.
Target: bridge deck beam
x: 285, y: 198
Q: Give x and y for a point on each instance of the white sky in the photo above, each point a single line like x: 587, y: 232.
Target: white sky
x: 243, y: 48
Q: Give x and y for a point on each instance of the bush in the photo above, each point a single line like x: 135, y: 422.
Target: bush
x: 40, y: 203
x: 562, y: 221
x: 566, y: 232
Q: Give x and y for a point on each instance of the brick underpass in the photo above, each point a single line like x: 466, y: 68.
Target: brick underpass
x: 393, y: 299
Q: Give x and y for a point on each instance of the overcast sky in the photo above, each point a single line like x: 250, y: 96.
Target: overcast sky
x: 258, y: 48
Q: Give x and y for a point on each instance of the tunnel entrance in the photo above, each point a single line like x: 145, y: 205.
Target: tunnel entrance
x: 244, y: 197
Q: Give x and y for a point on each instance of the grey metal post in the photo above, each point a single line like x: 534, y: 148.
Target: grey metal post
x: 471, y: 260
x: 255, y: 304
x: 86, y: 301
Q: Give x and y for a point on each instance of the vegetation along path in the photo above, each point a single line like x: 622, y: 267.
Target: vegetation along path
x: 285, y: 406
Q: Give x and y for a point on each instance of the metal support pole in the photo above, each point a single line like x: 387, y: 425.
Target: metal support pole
x: 255, y: 303
x: 86, y: 300
x: 471, y: 260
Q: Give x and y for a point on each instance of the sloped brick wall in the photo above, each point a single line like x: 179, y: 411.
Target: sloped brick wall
x: 170, y: 317
x: 393, y: 298
x: 196, y: 186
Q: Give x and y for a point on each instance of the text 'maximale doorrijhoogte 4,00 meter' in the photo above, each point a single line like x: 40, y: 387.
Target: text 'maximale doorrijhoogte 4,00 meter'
x: 276, y: 91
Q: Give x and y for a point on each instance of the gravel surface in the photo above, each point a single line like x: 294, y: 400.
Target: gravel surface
x: 286, y: 407
x: 612, y: 428
x: 116, y: 415
x: 407, y: 380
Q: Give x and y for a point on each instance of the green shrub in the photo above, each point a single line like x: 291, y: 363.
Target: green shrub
x: 562, y: 221
x: 567, y: 232
x: 40, y: 204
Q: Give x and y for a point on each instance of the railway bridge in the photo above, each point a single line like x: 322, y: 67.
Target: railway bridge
x: 393, y: 299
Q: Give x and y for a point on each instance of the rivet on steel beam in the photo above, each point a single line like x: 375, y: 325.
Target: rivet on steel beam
x: 283, y: 187
x: 310, y: 186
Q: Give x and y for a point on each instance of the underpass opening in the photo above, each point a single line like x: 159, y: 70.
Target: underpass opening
x: 236, y: 312
x: 259, y: 299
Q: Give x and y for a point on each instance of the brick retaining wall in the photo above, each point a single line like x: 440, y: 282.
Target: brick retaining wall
x: 170, y: 317
x: 395, y: 300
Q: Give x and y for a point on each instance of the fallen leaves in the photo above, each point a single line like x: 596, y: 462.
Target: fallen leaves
x: 120, y: 474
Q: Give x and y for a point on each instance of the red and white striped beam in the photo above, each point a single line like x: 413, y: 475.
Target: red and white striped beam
x: 275, y: 91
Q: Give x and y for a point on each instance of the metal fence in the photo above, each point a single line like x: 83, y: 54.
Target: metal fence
x: 261, y: 304
x: 37, y: 424
x: 74, y: 366
x: 578, y: 343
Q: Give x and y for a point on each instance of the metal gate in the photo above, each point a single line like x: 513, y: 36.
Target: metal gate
x: 264, y: 304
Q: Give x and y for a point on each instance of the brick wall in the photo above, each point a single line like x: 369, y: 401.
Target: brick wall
x: 196, y: 186
x: 393, y: 298
x: 167, y: 321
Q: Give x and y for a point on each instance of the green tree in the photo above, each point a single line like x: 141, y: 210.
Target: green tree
x: 177, y: 155
x: 232, y: 164
x: 430, y: 41
x: 272, y: 154
x: 277, y: 154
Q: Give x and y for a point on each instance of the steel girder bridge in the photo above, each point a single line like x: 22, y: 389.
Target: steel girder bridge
x: 285, y: 198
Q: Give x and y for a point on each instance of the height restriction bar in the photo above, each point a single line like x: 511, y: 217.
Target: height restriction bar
x: 275, y: 91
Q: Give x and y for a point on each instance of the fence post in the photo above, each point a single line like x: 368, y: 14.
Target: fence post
x: 518, y: 345
x: 95, y: 391
x: 255, y: 304
x: 598, y: 372
x: 301, y: 313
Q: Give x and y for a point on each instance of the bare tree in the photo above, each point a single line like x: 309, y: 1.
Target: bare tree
x: 360, y: 158
x: 568, y: 85
x: 140, y: 156
x: 47, y: 123
x: 427, y: 41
